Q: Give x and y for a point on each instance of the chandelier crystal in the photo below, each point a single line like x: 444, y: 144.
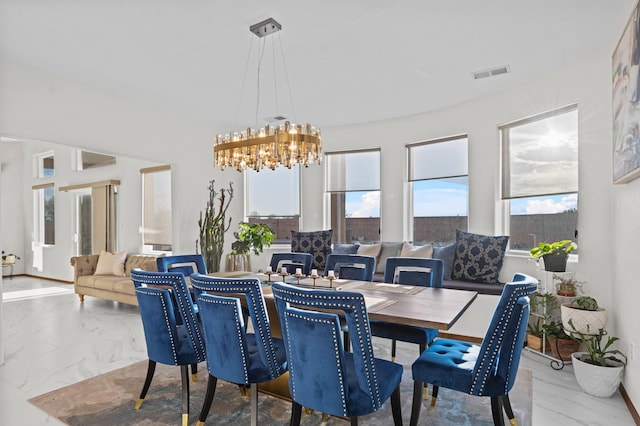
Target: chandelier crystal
x: 286, y: 144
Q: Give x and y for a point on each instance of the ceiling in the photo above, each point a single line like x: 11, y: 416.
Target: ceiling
x: 346, y: 61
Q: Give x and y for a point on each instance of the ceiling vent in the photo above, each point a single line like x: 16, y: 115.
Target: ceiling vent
x: 491, y: 72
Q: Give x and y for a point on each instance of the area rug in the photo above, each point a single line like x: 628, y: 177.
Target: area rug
x: 108, y: 399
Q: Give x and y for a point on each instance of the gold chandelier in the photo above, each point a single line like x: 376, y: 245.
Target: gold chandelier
x: 286, y: 144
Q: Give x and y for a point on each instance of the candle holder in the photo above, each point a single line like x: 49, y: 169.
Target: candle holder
x: 331, y: 278
x: 268, y: 274
x: 314, y: 277
x: 298, y: 276
x: 284, y: 275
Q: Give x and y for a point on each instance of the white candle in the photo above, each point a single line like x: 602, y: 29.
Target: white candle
x: 269, y: 269
x: 298, y: 271
x: 314, y: 272
x: 331, y: 274
x: 283, y: 271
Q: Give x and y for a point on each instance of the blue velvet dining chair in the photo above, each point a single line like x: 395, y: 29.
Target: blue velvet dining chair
x: 185, y: 263
x: 322, y: 376
x: 414, y: 271
x: 351, y: 266
x: 161, y: 296
x: 233, y: 354
x: 488, y: 369
x: 291, y: 261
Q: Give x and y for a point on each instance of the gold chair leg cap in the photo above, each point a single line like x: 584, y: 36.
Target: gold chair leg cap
x: 199, y: 423
x: 138, y: 403
x: 433, y: 402
x: 513, y: 422
x: 393, y: 359
x: 308, y: 410
x: 194, y: 377
x: 325, y: 417
x: 425, y: 393
x: 185, y: 420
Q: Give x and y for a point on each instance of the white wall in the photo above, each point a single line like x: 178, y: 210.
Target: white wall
x: 61, y: 111
x: 12, y: 225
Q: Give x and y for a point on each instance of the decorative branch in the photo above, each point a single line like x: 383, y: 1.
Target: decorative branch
x: 213, y: 226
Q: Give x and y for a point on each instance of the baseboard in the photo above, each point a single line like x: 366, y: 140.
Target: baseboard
x: 44, y: 278
x: 632, y: 409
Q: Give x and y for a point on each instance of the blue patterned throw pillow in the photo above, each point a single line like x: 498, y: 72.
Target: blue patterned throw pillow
x: 478, y: 258
x: 317, y: 243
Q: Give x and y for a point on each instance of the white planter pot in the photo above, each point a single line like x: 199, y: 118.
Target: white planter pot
x: 596, y: 380
x: 585, y: 322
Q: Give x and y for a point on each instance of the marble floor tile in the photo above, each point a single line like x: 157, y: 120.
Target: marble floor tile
x: 54, y: 340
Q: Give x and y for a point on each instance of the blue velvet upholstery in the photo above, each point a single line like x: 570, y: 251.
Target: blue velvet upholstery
x: 291, y: 261
x: 316, y: 243
x: 161, y: 296
x: 185, y: 263
x: 233, y: 354
x: 488, y: 369
x: 351, y: 266
x: 322, y: 376
x: 419, y: 272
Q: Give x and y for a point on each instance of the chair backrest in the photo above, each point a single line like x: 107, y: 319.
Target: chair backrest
x: 181, y: 302
x: 351, y: 266
x: 224, y: 327
x: 291, y: 261
x: 185, y: 263
x: 496, y: 367
x: 315, y: 351
x: 415, y: 271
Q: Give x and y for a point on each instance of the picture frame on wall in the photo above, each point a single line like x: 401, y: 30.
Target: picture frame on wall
x: 626, y: 102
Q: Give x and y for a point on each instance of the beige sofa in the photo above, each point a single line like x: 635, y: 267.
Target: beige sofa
x: 110, y: 287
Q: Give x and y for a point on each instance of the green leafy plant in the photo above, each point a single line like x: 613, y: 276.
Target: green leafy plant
x: 555, y: 329
x: 4, y: 256
x: 535, y: 327
x: 598, y: 349
x: 557, y: 247
x: 252, y: 236
x: 585, y: 303
x: 567, y: 285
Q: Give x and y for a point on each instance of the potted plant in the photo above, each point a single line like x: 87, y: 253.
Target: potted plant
x: 598, y: 369
x: 554, y: 255
x: 213, y: 226
x: 561, y: 344
x: 249, y: 237
x: 9, y: 259
x: 534, y: 335
x: 583, y: 315
x: 567, y: 286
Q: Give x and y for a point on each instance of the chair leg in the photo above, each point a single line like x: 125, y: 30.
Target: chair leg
x: 184, y: 370
x: 354, y: 421
x: 194, y: 372
x: 496, y: 410
x: 254, y: 404
x: 208, y: 400
x: 434, y: 395
x: 151, y: 368
x: 508, y: 410
x: 416, y: 405
x: 396, y: 407
x: 296, y: 413
x: 393, y: 350
x: 425, y: 395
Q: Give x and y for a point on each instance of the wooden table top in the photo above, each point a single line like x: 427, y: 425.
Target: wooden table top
x: 437, y: 308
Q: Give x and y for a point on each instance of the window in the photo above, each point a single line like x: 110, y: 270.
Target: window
x: 540, y: 177
x: 353, y: 188
x: 45, y: 165
x: 156, y: 208
x: 273, y: 198
x: 439, y: 188
x: 89, y: 160
x: 84, y: 226
x: 44, y: 214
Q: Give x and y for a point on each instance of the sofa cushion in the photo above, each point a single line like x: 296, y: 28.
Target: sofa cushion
x: 387, y: 250
x: 446, y: 253
x: 139, y: 261
x: 317, y: 243
x: 372, y: 250
x: 478, y: 258
x: 409, y: 250
x: 111, y: 263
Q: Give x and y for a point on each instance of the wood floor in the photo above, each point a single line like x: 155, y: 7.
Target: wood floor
x: 51, y: 340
